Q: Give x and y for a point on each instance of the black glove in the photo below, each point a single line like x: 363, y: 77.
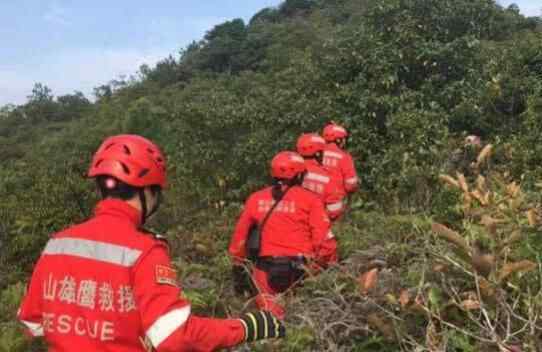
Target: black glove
x: 262, y: 325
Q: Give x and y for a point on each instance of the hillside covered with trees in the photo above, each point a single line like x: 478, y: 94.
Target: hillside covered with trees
x: 427, y: 265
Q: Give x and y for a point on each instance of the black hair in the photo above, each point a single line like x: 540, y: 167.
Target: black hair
x: 111, y: 187
x: 318, y: 156
x: 277, y: 190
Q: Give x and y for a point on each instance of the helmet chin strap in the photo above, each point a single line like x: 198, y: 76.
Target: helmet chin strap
x: 300, y: 177
x: 145, y: 213
x: 143, y: 201
x: 319, y: 157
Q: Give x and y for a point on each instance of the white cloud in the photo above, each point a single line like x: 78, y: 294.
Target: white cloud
x: 532, y: 10
x: 84, y: 69
x: 68, y: 71
x: 57, y: 14
x: 13, y: 87
x: 526, y: 7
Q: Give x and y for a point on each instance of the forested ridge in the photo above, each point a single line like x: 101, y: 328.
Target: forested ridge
x: 430, y: 262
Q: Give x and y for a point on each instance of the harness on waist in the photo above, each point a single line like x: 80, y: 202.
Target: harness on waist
x: 282, y: 272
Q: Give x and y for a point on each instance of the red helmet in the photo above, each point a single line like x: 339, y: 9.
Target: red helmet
x: 287, y: 165
x: 332, y: 132
x: 309, y: 144
x: 131, y: 159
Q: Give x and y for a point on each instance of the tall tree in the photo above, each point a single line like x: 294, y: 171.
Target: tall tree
x: 222, y: 47
x: 41, y: 105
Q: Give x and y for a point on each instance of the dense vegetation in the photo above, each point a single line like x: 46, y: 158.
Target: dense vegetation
x: 409, y: 78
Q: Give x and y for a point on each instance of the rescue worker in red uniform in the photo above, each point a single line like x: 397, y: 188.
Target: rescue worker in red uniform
x: 327, y: 184
x: 337, y: 158
x: 297, y: 232
x: 107, y: 285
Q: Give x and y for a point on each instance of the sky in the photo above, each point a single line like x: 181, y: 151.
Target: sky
x: 74, y: 45
x: 77, y: 45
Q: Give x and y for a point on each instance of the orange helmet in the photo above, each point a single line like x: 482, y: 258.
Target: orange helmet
x: 332, y: 132
x: 309, y: 144
x: 287, y: 165
x: 131, y: 159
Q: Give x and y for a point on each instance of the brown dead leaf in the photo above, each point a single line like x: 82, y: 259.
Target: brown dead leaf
x: 484, y: 155
x: 483, y: 263
x: 449, y: 180
x: 451, y: 236
x: 486, y: 288
x: 439, y: 268
x: 368, y: 281
x: 513, y: 190
x: 532, y: 218
x: 510, y: 268
x: 480, y: 197
x: 487, y: 198
x: 481, y: 184
x: 470, y: 304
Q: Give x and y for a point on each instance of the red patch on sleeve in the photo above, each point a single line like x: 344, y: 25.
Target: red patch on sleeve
x: 166, y: 275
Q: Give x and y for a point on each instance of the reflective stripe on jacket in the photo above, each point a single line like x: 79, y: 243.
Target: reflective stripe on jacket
x: 341, y: 161
x: 328, y: 185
